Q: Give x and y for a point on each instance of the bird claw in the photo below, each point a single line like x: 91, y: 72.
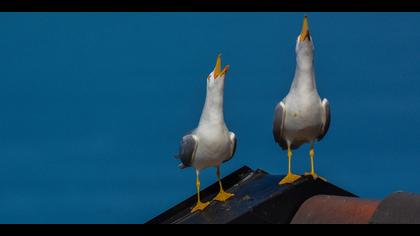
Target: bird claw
x: 200, y: 206
x: 290, y: 178
x: 315, y: 176
x: 223, y: 196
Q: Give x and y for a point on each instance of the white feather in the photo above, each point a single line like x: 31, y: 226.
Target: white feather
x: 214, y: 146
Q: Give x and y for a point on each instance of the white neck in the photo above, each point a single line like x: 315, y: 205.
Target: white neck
x: 304, y: 80
x: 213, y: 108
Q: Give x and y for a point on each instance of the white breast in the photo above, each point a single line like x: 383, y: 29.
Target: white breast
x: 213, y: 147
x: 303, y: 117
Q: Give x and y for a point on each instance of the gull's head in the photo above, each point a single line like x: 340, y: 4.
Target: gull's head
x: 304, y: 46
x: 218, y: 75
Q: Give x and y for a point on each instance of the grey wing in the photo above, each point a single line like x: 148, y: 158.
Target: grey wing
x: 278, y: 124
x: 187, y: 150
x: 325, y: 119
x: 234, y: 142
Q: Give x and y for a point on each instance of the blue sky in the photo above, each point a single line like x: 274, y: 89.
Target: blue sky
x: 93, y: 105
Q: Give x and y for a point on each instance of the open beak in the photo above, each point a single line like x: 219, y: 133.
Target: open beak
x: 218, y: 68
x: 305, y: 30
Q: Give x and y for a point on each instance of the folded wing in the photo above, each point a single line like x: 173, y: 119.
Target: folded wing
x: 325, y: 119
x: 278, y: 124
x: 187, y: 150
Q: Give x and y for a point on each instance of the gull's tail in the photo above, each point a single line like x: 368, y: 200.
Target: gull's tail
x: 181, y: 165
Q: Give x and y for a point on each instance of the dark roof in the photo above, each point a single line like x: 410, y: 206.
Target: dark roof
x: 258, y: 199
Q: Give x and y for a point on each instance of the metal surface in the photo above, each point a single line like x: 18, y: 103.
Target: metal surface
x: 258, y: 199
x: 183, y: 209
x: 398, y: 208
x: 325, y: 209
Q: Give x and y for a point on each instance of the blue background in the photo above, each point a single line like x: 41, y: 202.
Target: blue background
x: 93, y: 105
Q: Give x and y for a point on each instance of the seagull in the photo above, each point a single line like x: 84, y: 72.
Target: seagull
x: 211, y: 143
x: 301, y: 117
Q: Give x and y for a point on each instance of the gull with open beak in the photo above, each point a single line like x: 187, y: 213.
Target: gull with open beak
x: 301, y: 117
x: 211, y: 143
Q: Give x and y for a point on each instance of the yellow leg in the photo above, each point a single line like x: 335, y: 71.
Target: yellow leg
x: 200, y: 206
x: 312, y: 173
x: 290, y: 177
x: 222, y: 196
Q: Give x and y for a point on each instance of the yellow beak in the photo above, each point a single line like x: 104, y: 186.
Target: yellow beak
x: 218, y: 68
x: 305, y: 30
